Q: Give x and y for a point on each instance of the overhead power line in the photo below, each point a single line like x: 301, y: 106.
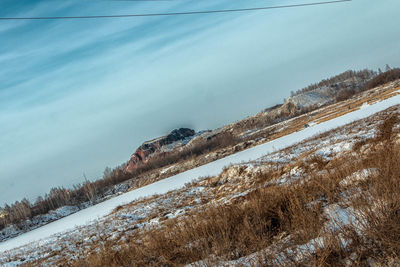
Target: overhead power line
x: 175, y: 13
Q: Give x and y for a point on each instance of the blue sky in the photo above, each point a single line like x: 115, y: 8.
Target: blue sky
x: 79, y: 95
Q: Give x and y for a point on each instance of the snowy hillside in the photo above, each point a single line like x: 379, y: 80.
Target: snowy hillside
x: 83, y: 224
x: 183, y: 149
x: 329, y: 90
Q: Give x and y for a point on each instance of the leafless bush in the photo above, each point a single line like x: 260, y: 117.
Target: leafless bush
x: 227, y: 232
x: 388, y: 76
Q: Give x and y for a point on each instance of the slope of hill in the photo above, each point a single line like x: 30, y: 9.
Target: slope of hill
x: 300, y: 161
x: 189, y: 151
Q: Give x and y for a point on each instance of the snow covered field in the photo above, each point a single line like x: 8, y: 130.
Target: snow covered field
x: 214, y: 168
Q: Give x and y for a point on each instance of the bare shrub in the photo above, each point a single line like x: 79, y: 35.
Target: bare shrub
x: 373, y: 238
x: 389, y: 76
x: 226, y: 232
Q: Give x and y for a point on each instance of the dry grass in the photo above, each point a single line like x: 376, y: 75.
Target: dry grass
x: 280, y: 216
x: 264, y: 217
x: 226, y: 232
x: 373, y: 236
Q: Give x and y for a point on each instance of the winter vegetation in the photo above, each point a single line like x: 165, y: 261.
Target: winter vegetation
x: 384, y: 77
x: 24, y: 215
x: 276, y: 218
x: 328, y: 200
x: 348, y: 83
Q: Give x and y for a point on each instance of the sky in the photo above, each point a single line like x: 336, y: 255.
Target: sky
x: 77, y: 96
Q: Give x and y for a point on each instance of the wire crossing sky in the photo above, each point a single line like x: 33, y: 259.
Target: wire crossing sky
x: 77, y: 95
x: 176, y: 13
